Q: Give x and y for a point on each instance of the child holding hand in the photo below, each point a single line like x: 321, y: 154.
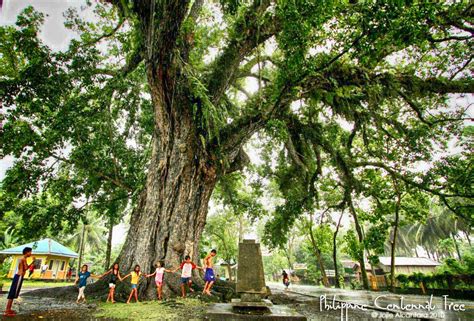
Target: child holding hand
x: 159, y: 274
x: 135, y: 274
x: 187, y: 267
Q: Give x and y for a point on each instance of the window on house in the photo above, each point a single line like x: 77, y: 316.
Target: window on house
x: 62, y: 265
x: 50, y: 264
x: 37, y: 263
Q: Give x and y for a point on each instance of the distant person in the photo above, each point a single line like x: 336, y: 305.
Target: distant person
x: 44, y: 267
x: 114, y: 277
x: 209, y: 274
x: 159, y: 275
x: 286, y: 279
x: 17, y: 281
x: 69, y: 274
x: 81, y: 280
x: 187, y: 267
x: 135, y: 274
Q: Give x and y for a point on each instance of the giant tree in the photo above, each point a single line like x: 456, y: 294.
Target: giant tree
x: 173, y: 74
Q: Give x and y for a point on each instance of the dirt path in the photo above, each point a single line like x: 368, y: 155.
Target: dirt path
x: 59, y: 304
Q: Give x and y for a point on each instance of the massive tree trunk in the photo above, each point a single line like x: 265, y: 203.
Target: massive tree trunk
x: 171, y: 212
x: 186, y: 160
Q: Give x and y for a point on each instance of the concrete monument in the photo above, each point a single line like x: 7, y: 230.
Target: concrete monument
x: 251, y: 279
x: 251, y: 287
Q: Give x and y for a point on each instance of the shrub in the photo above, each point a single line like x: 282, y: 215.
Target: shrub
x: 402, y: 279
x: 355, y: 285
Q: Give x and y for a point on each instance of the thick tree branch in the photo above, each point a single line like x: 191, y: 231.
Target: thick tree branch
x: 195, y: 10
x: 121, y: 5
x: 407, y: 180
x: 188, y: 39
x: 99, y: 173
x: 248, y: 34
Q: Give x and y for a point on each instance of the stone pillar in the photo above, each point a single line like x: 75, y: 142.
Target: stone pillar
x: 251, y: 287
x: 250, y: 275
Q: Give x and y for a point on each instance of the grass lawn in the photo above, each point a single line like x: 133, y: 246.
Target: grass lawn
x: 187, y: 309
x: 34, y: 284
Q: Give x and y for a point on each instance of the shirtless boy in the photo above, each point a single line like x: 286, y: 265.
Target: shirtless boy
x: 209, y: 275
x: 18, y: 280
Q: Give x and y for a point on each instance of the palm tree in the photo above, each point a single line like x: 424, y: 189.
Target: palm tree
x: 88, y: 236
x: 10, y: 239
x: 440, y: 225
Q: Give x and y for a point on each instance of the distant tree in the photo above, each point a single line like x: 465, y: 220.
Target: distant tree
x: 89, y: 236
x: 319, y: 240
x: 222, y: 233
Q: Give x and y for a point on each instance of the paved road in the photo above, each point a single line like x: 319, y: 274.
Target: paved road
x: 381, y: 303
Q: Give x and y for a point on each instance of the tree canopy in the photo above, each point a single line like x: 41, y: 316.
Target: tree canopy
x: 347, y: 97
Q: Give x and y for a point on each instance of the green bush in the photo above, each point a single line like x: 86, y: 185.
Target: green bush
x: 443, y: 279
x: 452, y: 266
x: 416, y: 277
x: 402, y: 279
x: 4, y: 268
x: 355, y: 285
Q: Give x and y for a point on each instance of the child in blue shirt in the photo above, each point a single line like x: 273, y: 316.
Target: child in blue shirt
x: 81, y: 278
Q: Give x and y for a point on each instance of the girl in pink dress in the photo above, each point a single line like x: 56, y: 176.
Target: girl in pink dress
x: 159, y: 274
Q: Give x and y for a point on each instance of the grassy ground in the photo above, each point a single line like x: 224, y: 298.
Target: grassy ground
x: 37, y: 284
x: 189, y: 309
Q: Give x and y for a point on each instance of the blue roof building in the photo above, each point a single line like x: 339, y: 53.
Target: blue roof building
x: 51, y: 259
